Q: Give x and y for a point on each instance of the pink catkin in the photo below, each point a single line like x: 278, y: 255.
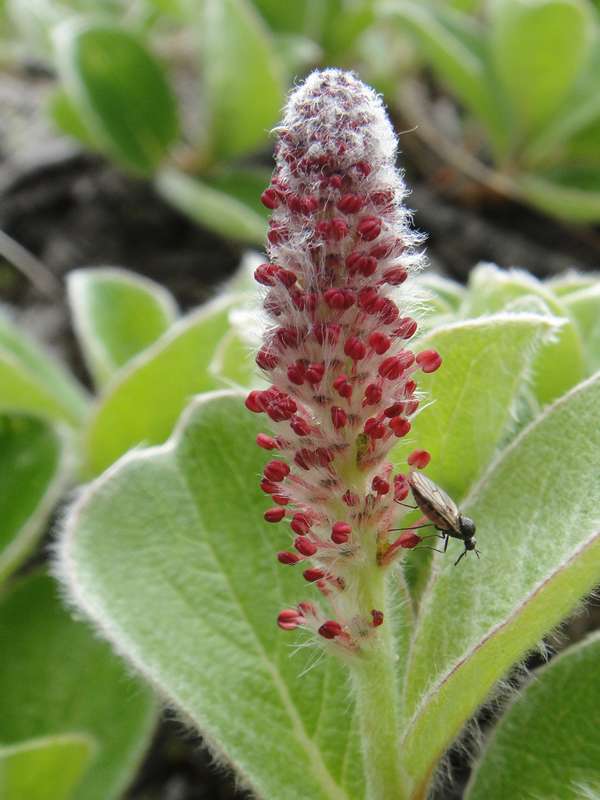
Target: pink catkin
x: 336, y: 353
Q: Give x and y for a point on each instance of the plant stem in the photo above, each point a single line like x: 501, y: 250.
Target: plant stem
x: 374, y: 682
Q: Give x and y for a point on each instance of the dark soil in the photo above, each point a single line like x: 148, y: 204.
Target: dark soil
x: 71, y: 210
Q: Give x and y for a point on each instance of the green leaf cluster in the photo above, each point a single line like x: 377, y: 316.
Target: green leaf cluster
x: 528, y: 72
x: 168, y: 555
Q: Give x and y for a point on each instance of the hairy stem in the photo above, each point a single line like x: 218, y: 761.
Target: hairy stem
x: 374, y: 682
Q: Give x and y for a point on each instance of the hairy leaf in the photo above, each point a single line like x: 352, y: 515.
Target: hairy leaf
x: 119, y: 90
x: 170, y: 557
x: 242, y: 77
x: 116, y: 314
x: 584, y: 308
x: 538, y: 520
x: 60, y: 678
x: 211, y: 207
x: 33, y: 472
x: 31, y: 380
x: 44, y: 769
x: 142, y: 404
x: 548, y: 742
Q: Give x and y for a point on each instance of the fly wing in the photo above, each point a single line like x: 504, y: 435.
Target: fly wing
x: 443, y: 505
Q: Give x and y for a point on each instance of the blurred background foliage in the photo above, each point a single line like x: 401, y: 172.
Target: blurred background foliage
x: 184, y: 93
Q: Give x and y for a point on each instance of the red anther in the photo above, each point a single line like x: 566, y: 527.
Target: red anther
x: 310, y: 203
x: 277, y: 235
x: 300, y: 426
x: 276, y: 471
x: 363, y: 167
x: 313, y: 574
x: 376, y: 618
x: 350, y: 499
x: 294, y: 203
x: 352, y: 261
x: 330, y: 629
x: 300, y: 524
x: 266, y: 274
x: 394, y: 410
x: 350, y: 203
x: 295, y: 373
x: 286, y: 557
x: 289, y: 619
x: 280, y: 499
x: 382, y: 199
x: 406, y: 328
x: 369, y: 228
x: 303, y: 460
x: 326, y: 332
x: 373, y: 394
x: 400, y: 426
x: 410, y: 407
x: 419, y: 459
x: 409, y: 388
x: 367, y: 297
x: 314, y: 373
x: 395, y: 276
x: 305, y: 546
x: 343, y: 387
x: 354, y: 348
x: 307, y: 609
x: 367, y: 266
x: 288, y: 337
x: 391, y: 368
x: 401, y: 487
x: 266, y: 359
x: 273, y: 306
x: 340, y: 532
x: 380, y: 485
x: 387, y: 248
x: 269, y: 198
x: 380, y: 342
x: 338, y: 229
x: 287, y: 277
x: 269, y: 487
x: 374, y: 428
x: 279, y: 407
x: 323, y: 456
x: 266, y: 442
x: 429, y: 360
x: 274, y: 514
x: 339, y: 418
x: 408, y: 540
x: 335, y: 181
x: 340, y: 299
x: 253, y: 401
x: 322, y: 229
x: 387, y: 310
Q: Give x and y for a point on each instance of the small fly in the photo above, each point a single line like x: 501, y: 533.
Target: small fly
x: 443, y: 513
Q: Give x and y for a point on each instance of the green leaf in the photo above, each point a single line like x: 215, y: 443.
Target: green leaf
x: 234, y: 364
x: 538, y: 48
x: 454, y: 46
x: 584, y: 309
x: 486, y: 364
x: 31, y: 380
x: 120, y: 92
x: 448, y: 291
x: 143, y: 402
x: 572, y: 195
x: 242, y: 77
x: 34, y: 466
x: 538, y: 529
x: 214, y: 209
x: 44, y: 769
x: 170, y: 556
x: 60, y: 678
x: 560, y: 363
x: 548, y: 742
x: 66, y: 117
x: 245, y: 185
x: 116, y: 314
x: 572, y: 281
